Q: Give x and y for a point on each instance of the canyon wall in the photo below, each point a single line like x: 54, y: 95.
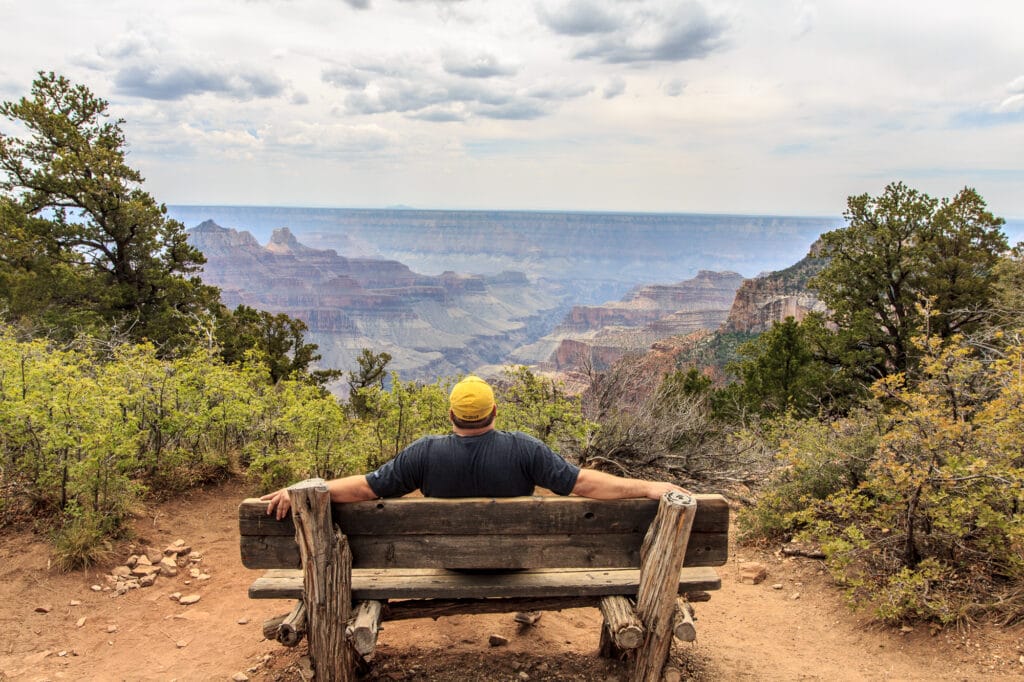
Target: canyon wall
x: 775, y: 296
x: 431, y: 325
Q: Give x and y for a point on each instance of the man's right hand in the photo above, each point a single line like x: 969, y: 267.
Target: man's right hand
x: 655, y: 489
x: 279, y: 502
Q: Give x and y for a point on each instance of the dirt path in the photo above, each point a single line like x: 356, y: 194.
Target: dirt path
x: 746, y: 632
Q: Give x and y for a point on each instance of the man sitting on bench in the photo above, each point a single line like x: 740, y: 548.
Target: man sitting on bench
x: 478, y: 460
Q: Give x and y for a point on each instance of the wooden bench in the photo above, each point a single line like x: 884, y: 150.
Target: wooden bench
x: 354, y: 565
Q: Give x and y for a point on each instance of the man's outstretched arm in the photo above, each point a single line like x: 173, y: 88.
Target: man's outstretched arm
x: 348, y: 489
x: 602, y: 486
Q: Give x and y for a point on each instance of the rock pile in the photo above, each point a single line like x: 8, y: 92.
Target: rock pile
x: 144, y: 568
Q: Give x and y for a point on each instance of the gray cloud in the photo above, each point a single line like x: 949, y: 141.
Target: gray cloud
x: 344, y: 77
x: 456, y: 92
x: 439, y: 115
x: 482, y: 65
x: 560, y: 91
x: 692, y: 36
x: 615, y: 87
x: 637, y: 32
x: 358, y: 4
x: 674, y: 87
x: 174, y: 82
x: 522, y: 110
x: 577, y: 18
x: 142, y: 67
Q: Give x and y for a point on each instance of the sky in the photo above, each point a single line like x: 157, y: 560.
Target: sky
x: 733, y: 106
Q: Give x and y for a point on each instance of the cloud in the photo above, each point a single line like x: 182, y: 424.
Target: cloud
x: 1014, y: 102
x: 299, y: 98
x: 806, y: 19
x: 577, y: 18
x: 615, y: 87
x: 481, y: 65
x: 559, y: 91
x: 174, y: 82
x: 142, y: 67
x: 454, y: 89
x: 522, y: 110
x: 358, y: 4
x: 674, y: 87
x: 344, y: 77
x: 689, y: 35
x: 439, y: 115
x: 328, y: 139
x: 1009, y: 109
x: 637, y: 32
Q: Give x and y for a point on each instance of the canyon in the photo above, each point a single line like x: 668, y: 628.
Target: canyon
x: 583, y: 315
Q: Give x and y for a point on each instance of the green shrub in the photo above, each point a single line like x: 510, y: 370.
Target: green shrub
x: 81, y: 542
x: 932, y: 525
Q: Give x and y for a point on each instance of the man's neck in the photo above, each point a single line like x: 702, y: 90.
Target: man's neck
x: 465, y: 433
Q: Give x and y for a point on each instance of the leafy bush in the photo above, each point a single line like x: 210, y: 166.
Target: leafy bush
x: 932, y: 526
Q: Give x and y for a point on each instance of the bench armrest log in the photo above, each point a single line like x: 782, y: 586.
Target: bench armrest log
x: 661, y: 558
x: 327, y: 580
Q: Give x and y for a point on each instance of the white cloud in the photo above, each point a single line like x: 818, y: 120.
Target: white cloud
x: 733, y: 105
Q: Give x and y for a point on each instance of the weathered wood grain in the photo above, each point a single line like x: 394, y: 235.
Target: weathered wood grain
x: 327, y: 581
x: 684, y: 629
x: 442, y: 584
x: 661, y: 559
x: 621, y: 622
x: 486, y: 516
x: 365, y: 625
x: 612, y: 550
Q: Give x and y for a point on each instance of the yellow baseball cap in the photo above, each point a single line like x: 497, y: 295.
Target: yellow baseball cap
x: 471, y: 399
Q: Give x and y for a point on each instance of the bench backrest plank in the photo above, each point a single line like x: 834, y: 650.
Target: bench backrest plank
x: 484, y: 533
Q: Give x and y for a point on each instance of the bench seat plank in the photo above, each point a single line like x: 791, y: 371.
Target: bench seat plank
x: 442, y: 584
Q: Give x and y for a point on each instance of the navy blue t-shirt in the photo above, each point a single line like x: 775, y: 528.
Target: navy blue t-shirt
x: 493, y: 464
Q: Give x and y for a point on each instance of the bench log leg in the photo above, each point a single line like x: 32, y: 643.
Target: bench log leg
x: 684, y: 628
x: 621, y: 629
x: 365, y: 625
x: 327, y: 581
x: 661, y: 558
x: 293, y: 627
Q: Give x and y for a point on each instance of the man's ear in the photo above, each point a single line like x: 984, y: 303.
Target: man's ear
x: 451, y: 416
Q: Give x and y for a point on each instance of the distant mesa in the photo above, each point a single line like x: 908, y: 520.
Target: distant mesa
x: 431, y: 325
x: 594, y: 337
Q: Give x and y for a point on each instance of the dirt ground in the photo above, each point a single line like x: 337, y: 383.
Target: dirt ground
x: 799, y: 631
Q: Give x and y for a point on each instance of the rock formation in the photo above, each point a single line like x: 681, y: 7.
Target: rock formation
x: 431, y: 325
x: 775, y: 296
x: 597, y: 336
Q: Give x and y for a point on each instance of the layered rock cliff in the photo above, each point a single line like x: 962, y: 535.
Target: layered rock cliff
x: 775, y: 296
x: 597, y: 336
x: 431, y: 325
